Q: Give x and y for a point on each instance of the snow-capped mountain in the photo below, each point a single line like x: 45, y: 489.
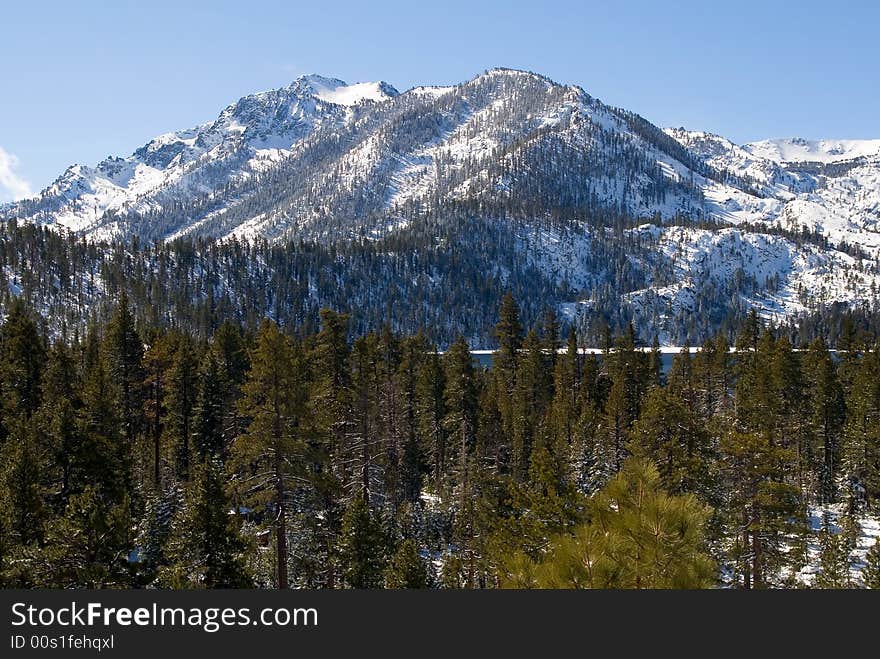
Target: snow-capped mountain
x: 323, y: 160
x: 247, y: 138
x: 831, y: 187
x: 797, y: 149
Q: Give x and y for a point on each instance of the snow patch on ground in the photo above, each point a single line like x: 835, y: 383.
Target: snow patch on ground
x: 869, y: 533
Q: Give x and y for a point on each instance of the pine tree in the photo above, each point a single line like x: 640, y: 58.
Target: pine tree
x: 827, y: 417
x: 505, y: 362
x: 102, y: 458
x: 208, y: 436
x: 269, y: 457
x: 406, y: 569
x: 638, y: 536
x: 229, y: 348
x: 670, y: 435
x: 532, y: 395
x: 460, y: 421
x: 552, y: 504
x: 431, y: 389
x: 833, y: 558
x: 508, y: 331
x: 154, y: 530
x: 460, y: 424
x: 61, y: 403
x: 89, y: 546
x: 180, y: 400
x: 205, y: 548
x: 861, y: 450
x: 763, y: 508
x: 124, y: 352
x: 360, y: 451
x: 404, y: 426
x: 157, y: 361
x: 22, y: 486
x: 871, y: 571
x: 22, y: 359
x: 363, y: 546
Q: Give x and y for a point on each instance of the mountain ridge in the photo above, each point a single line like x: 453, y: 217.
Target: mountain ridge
x: 549, y: 165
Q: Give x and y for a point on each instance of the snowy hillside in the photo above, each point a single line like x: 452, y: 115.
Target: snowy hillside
x: 798, y: 149
x: 248, y: 137
x: 830, y: 187
x: 784, y: 225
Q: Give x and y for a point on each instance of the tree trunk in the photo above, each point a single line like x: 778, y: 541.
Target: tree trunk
x: 747, y: 573
x: 281, y: 540
x: 281, y: 521
x: 758, y: 558
x: 157, y: 433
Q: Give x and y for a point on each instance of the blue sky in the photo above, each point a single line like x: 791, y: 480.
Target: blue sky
x: 83, y: 80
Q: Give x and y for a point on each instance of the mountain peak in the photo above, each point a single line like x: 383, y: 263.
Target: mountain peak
x: 338, y: 92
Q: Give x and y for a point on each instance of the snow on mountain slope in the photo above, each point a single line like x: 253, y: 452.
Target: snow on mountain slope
x: 325, y: 160
x: 247, y: 138
x: 771, y: 273
x: 797, y: 149
x: 336, y: 91
x: 834, y: 190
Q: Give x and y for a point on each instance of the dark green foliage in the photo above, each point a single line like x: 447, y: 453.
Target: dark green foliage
x: 208, y: 421
x: 871, y: 573
x: 834, y: 559
x: 89, y: 546
x: 406, y: 569
x: 363, y: 546
x: 639, y: 536
x: 269, y: 458
x: 205, y: 549
x: 348, y: 458
x: 22, y: 359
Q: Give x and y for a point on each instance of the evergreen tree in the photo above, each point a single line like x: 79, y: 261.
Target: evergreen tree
x: 532, y: 395
x: 505, y: 362
x: 269, y: 457
x: 22, y: 359
x: 460, y: 421
x: 828, y: 412
x: 871, y: 571
x: 208, y: 419
x: 205, y: 548
x: 22, y: 488
x: 230, y: 350
x: 638, y: 536
x: 124, y: 352
x: 89, y: 546
x: 408, y: 446
x: 406, y: 569
x: 157, y: 362
x: 508, y: 332
x: 180, y: 400
x: 763, y: 508
x: 833, y: 558
x: 861, y: 451
x: 431, y: 389
x: 61, y: 403
x: 670, y: 435
x: 363, y: 546
x: 102, y: 459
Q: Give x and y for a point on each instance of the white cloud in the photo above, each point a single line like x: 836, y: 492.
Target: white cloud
x: 12, y: 186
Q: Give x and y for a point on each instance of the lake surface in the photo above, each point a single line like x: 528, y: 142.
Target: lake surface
x: 484, y: 357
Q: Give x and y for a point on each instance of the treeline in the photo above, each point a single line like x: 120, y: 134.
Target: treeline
x: 286, y: 457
